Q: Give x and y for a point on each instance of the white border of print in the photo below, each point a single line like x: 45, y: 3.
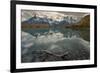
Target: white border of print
x: 20, y: 65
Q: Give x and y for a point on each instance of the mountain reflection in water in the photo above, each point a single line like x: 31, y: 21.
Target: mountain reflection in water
x: 41, y: 45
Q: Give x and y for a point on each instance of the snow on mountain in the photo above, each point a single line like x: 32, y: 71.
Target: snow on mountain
x: 45, y: 20
x: 54, y: 15
x: 26, y: 14
x: 49, y: 17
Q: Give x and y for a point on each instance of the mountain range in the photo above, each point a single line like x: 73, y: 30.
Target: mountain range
x: 44, y: 20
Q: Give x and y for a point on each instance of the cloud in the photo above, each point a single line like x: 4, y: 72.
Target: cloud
x: 26, y: 14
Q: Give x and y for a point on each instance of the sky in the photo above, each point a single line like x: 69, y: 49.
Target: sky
x: 26, y: 14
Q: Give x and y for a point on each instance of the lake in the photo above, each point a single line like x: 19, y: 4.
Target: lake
x: 80, y: 32
x: 41, y: 45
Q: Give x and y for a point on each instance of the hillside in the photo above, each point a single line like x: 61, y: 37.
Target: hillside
x: 84, y: 22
